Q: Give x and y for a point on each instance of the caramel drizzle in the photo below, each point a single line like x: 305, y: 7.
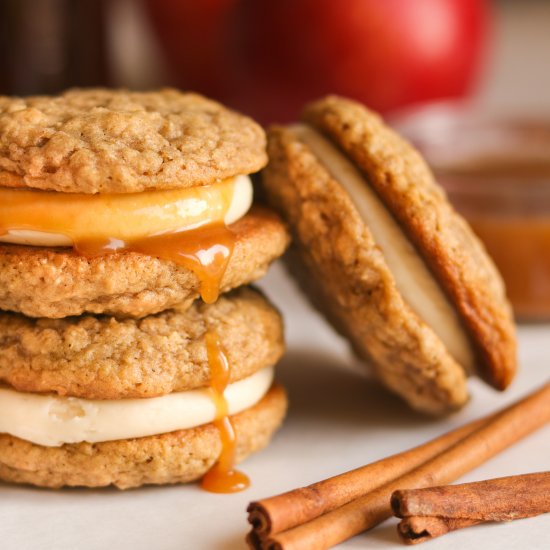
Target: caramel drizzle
x: 205, y: 251
x: 222, y: 477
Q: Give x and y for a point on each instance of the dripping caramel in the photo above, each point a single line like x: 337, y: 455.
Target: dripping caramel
x: 205, y: 251
x: 222, y: 477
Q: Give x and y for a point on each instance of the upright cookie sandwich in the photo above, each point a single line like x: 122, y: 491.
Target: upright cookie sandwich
x: 119, y: 169
x: 117, y: 211
x: 383, y: 254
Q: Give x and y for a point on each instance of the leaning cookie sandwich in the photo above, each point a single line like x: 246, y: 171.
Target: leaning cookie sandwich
x: 379, y: 249
x: 118, y: 211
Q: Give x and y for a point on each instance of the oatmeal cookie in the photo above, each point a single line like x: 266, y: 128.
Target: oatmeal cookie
x: 117, y: 141
x: 100, y: 357
x: 57, y: 282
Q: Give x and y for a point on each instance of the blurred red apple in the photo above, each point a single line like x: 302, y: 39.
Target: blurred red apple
x: 194, y: 36
x: 268, y: 57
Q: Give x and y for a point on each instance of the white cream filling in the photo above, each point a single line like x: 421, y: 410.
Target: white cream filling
x: 34, y: 238
x: 51, y: 420
x: 194, y: 208
x: 413, y: 278
x: 242, y: 199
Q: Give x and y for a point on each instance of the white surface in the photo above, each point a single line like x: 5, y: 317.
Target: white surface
x: 338, y: 420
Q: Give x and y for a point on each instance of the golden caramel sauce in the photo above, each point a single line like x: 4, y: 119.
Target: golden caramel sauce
x: 506, y: 200
x: 206, y: 251
x: 222, y: 477
x: 520, y: 248
x: 123, y: 216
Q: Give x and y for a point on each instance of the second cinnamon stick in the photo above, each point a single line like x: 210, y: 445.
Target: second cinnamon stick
x: 501, y: 499
x: 432, y: 512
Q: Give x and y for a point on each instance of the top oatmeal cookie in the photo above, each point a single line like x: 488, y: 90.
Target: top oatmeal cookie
x: 117, y: 141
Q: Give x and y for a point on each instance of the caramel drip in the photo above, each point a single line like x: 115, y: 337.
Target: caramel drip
x: 206, y: 251
x: 222, y: 477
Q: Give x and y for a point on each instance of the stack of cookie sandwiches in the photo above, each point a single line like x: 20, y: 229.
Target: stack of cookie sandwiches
x: 119, y: 211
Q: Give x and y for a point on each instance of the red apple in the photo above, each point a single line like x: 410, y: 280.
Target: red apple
x: 194, y: 36
x: 268, y: 57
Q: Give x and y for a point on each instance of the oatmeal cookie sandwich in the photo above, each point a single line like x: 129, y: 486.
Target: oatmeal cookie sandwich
x: 155, y: 177
x: 379, y: 250
x: 95, y: 401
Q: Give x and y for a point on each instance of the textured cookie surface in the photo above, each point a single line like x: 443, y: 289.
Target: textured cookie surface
x: 344, y: 272
x: 105, y: 358
x: 56, y: 282
x: 406, y: 185
x: 176, y: 457
x: 117, y: 141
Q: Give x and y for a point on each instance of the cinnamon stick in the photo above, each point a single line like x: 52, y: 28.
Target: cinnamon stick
x: 432, y: 512
x: 287, y: 510
x: 501, y: 431
x: 500, y: 499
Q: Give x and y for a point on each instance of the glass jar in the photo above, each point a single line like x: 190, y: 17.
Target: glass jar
x: 496, y: 172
